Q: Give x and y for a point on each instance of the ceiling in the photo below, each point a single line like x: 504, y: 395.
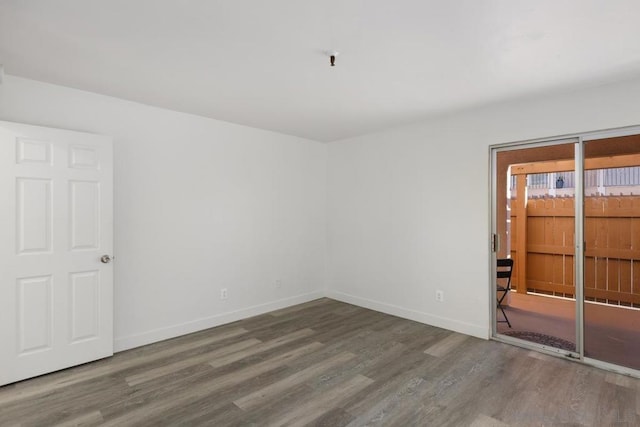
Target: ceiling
x: 263, y: 63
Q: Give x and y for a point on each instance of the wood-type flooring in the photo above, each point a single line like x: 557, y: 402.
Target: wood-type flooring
x: 325, y: 363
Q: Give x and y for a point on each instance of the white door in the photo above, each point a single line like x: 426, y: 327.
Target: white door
x: 56, y: 223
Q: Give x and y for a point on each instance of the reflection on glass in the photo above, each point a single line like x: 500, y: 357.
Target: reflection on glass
x: 612, y: 237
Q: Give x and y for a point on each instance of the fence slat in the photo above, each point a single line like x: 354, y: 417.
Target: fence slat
x: 542, y: 243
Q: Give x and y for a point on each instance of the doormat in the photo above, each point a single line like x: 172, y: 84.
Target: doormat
x: 543, y: 339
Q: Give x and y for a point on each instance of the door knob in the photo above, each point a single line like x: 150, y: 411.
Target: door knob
x: 106, y: 259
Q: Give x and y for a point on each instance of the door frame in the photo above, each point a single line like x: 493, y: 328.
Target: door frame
x: 579, y: 139
x: 494, y: 150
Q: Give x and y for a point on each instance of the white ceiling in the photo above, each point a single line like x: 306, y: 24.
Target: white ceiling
x: 261, y: 63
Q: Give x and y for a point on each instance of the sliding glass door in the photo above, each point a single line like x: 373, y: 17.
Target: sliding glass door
x: 612, y: 250
x: 534, y: 225
x: 568, y: 213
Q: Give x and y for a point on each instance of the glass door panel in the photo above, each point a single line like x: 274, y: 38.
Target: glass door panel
x: 535, y: 223
x: 612, y: 250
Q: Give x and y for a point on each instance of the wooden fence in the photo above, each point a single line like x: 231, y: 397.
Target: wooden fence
x: 542, y: 245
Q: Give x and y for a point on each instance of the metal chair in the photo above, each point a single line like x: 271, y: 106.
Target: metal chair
x: 503, y: 273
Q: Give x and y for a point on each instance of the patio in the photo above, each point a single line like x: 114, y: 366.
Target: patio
x: 612, y: 334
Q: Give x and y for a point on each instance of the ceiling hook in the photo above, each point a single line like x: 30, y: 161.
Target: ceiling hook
x: 332, y: 57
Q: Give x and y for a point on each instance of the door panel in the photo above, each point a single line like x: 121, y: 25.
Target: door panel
x: 535, y: 219
x: 35, y: 320
x: 85, y: 215
x: 85, y: 305
x: 56, y: 297
x: 612, y: 251
x: 33, y: 215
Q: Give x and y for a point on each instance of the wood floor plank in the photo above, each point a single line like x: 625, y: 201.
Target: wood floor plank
x: 266, y: 327
x: 315, y: 408
x: 334, y: 418
x: 390, y: 378
x: 222, y: 360
x: 618, y: 379
x: 444, y: 346
x: 468, y: 388
x: 582, y: 394
x: 260, y: 397
x: 226, y: 415
x: 93, y: 418
x: 620, y: 407
x: 190, y: 361
x: 365, y: 362
x: 383, y: 411
x: 483, y: 420
x: 216, y: 408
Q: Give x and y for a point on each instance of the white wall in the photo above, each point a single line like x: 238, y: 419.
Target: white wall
x: 199, y: 205
x: 202, y: 204
x: 408, y: 208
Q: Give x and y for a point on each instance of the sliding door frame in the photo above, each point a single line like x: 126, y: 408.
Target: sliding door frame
x: 579, y: 140
x: 579, y: 246
x: 494, y: 150
x: 585, y: 138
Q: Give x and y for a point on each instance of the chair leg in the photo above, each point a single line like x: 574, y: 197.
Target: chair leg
x: 506, y: 319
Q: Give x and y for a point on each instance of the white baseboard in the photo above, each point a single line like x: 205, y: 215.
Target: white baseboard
x: 418, y: 316
x: 132, y: 341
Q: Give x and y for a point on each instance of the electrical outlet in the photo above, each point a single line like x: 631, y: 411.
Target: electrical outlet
x: 278, y: 283
x: 223, y: 293
x: 439, y: 296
